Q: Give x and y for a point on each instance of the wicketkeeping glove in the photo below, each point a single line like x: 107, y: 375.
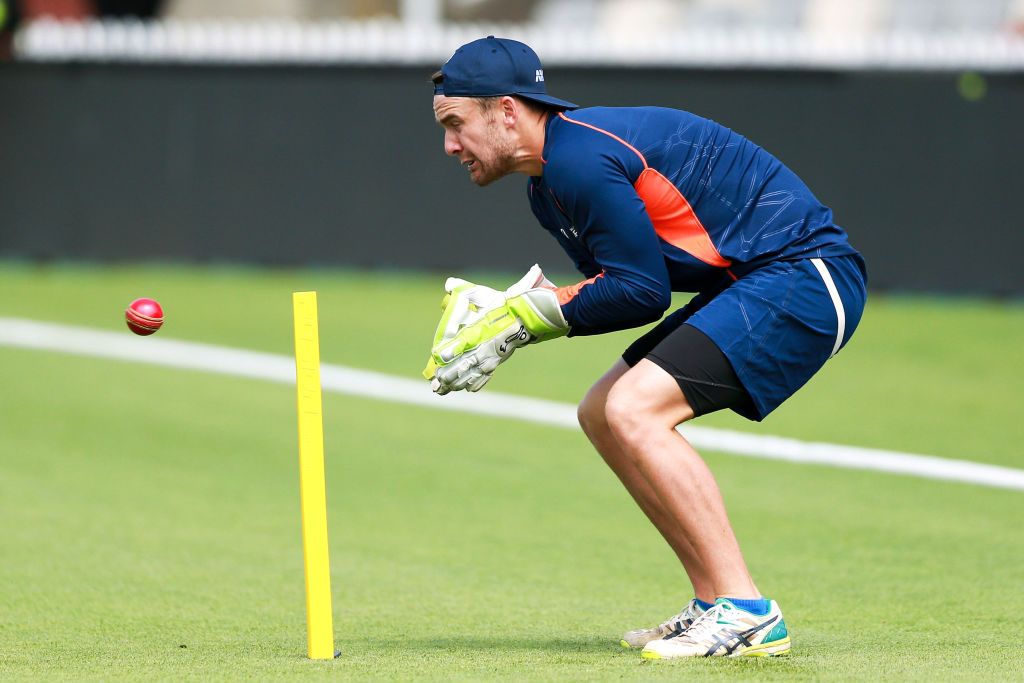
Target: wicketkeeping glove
x: 481, y: 327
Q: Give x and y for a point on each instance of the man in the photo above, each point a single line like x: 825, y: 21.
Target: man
x: 647, y: 201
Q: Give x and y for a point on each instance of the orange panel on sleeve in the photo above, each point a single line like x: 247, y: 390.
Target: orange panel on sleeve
x: 674, y: 219
x: 567, y: 294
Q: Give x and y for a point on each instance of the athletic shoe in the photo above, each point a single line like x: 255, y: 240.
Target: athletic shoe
x: 673, y: 626
x: 726, y: 631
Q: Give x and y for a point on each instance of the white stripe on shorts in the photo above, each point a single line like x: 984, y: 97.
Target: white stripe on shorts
x: 830, y: 285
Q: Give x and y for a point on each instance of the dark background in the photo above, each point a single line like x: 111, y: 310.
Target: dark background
x: 345, y: 166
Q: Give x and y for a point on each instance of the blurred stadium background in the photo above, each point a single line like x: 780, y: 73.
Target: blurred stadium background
x: 149, y: 514
x: 298, y: 131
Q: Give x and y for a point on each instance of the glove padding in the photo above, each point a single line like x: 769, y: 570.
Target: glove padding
x: 481, y: 327
x: 473, y: 369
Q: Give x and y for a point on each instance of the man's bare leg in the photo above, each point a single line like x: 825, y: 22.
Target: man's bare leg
x: 643, y: 407
x: 592, y: 418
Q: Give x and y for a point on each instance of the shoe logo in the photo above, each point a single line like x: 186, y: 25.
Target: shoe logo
x: 521, y: 335
x: 678, y: 628
x: 726, y: 636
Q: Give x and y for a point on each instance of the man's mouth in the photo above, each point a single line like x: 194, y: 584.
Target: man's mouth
x: 470, y: 165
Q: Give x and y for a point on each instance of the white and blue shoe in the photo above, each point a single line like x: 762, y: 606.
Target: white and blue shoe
x: 669, y: 628
x: 725, y: 630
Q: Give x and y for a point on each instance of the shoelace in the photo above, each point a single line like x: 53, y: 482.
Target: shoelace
x: 674, y: 621
x: 679, y: 621
x: 706, y: 624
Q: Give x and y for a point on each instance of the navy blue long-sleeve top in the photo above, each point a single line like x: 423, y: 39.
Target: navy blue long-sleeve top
x: 649, y: 200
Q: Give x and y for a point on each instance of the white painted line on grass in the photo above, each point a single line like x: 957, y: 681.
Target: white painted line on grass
x: 335, y: 378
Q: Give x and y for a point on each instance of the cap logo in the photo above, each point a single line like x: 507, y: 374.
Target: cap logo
x: 540, y: 76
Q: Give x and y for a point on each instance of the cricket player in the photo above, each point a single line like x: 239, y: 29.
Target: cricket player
x: 648, y: 201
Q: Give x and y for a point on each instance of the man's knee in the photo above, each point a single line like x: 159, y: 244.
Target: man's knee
x: 645, y: 401
x: 590, y: 412
x: 621, y: 414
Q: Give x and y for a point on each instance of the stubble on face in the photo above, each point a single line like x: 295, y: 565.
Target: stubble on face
x: 498, y: 157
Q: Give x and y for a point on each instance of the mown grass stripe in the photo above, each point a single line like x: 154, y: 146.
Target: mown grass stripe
x: 335, y: 378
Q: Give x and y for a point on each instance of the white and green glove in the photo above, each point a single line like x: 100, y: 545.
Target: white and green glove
x: 481, y: 327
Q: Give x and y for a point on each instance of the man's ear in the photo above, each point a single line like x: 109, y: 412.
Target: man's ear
x: 509, y: 110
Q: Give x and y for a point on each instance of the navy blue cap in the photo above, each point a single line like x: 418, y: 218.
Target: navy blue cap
x: 490, y: 67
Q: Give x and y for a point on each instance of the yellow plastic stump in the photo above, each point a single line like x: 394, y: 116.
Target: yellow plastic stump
x: 312, y: 485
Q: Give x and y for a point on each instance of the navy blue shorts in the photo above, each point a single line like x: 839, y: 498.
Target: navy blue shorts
x: 776, y: 325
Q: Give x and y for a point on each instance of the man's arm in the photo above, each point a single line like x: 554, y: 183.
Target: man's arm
x: 613, y: 226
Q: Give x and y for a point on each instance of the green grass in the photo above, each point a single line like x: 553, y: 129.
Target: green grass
x: 151, y: 516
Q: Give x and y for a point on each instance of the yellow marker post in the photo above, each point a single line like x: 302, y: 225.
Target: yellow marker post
x: 312, y: 485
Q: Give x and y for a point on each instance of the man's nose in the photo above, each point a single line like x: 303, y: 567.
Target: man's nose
x: 451, y: 143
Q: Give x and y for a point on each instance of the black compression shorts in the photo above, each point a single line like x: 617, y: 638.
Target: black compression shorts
x: 699, y: 367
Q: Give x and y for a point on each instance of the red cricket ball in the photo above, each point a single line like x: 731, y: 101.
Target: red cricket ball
x: 144, y: 316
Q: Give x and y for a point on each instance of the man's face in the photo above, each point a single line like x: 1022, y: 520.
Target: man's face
x: 479, y: 139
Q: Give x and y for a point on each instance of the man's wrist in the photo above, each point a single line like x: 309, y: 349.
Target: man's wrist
x: 540, y: 312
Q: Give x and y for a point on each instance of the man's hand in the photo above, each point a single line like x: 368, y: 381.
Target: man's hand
x: 481, y: 327
x: 473, y: 369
